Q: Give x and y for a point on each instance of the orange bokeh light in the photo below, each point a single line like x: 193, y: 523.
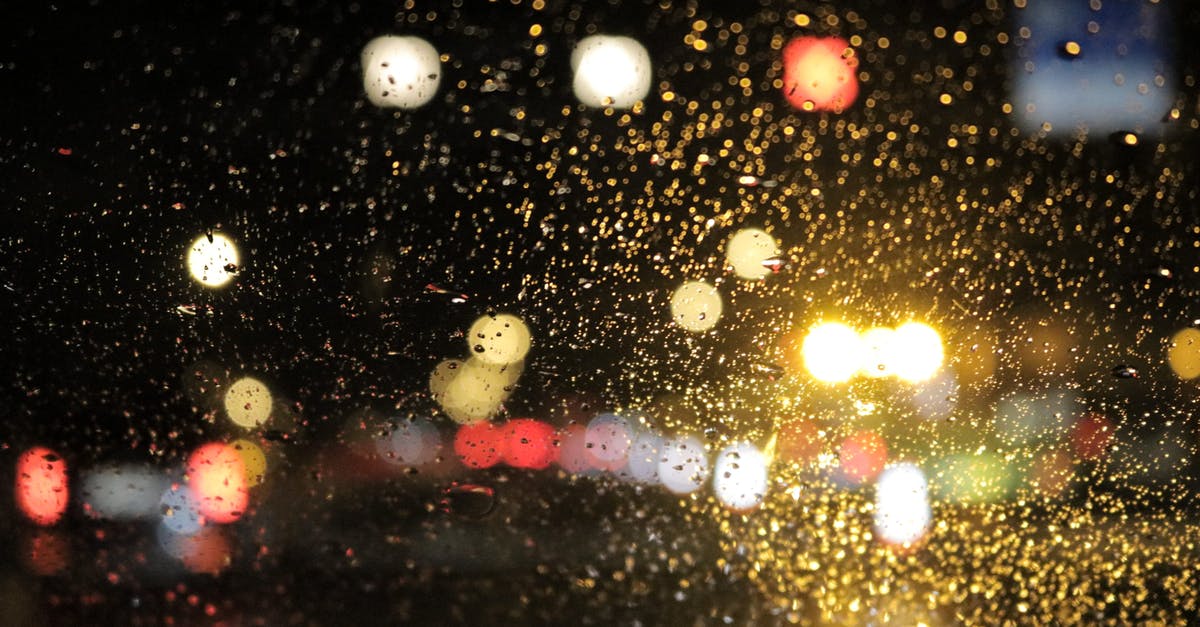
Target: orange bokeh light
x: 42, y: 486
x: 819, y: 74
x: 218, y: 477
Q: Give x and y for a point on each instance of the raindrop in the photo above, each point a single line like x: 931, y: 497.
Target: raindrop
x: 1125, y: 372
x: 468, y: 500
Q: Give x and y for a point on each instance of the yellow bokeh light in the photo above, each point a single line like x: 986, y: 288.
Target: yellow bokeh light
x: 473, y: 390
x: 916, y: 352
x: 248, y: 402
x: 212, y: 261
x: 696, y: 306
x: 253, y: 460
x: 832, y: 352
x: 1184, y: 354
x: 499, y: 339
x: 747, y: 249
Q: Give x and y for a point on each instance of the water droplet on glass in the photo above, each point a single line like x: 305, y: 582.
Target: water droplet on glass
x: 468, y: 500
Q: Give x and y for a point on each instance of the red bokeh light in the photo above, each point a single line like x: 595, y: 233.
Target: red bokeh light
x: 862, y: 455
x: 480, y: 445
x: 799, y: 441
x: 1091, y: 437
x: 819, y: 74
x: 217, y: 476
x: 42, y: 486
x: 530, y: 443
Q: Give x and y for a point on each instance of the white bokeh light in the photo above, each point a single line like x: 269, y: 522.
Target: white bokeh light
x: 400, y: 72
x: 902, y: 512
x: 611, y: 71
x: 683, y: 464
x: 607, y: 441
x: 212, y: 260
x: 740, y: 476
x: 644, y: 454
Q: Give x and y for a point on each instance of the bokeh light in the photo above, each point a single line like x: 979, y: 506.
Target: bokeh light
x: 254, y: 461
x: 401, y: 72
x: 572, y: 449
x: 217, y: 479
x: 740, y: 476
x: 411, y: 442
x: 180, y: 509
x: 529, y: 443
x: 499, y: 339
x: 683, y: 464
x: 607, y: 441
x: 480, y: 445
x: 42, y: 487
x: 879, y: 348
x: 473, y: 390
x: 902, y: 511
x: 610, y: 71
x: 644, y: 454
x: 696, y: 306
x: 1183, y: 354
x: 862, y: 455
x: 819, y: 74
x: 1091, y: 437
x: 124, y: 492
x: 212, y: 260
x: 746, y: 251
x: 916, y: 352
x: 248, y: 402
x: 832, y: 352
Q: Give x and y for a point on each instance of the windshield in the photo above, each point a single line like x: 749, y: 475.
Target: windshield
x: 600, y: 312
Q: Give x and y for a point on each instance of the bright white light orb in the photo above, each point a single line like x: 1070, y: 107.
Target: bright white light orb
x: 212, y: 262
x: 902, y: 512
x: 696, y: 306
x: 682, y: 464
x: 610, y: 71
x: 248, y: 402
x: 400, y: 72
x: 740, y: 476
x: 832, y: 352
x: 499, y: 339
x: 746, y: 251
x: 917, y: 352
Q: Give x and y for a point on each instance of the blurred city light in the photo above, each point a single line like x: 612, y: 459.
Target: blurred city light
x: 740, y: 476
x: 746, y: 251
x: 42, y: 485
x: 248, y: 402
x: 832, y: 352
x: 683, y: 464
x: 217, y: 479
x: 819, y: 74
x: 902, y: 511
x: 696, y: 306
x: 212, y: 260
x: 611, y: 71
x: 400, y: 72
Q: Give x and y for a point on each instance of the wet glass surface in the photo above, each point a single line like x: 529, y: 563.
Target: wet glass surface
x: 600, y: 312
